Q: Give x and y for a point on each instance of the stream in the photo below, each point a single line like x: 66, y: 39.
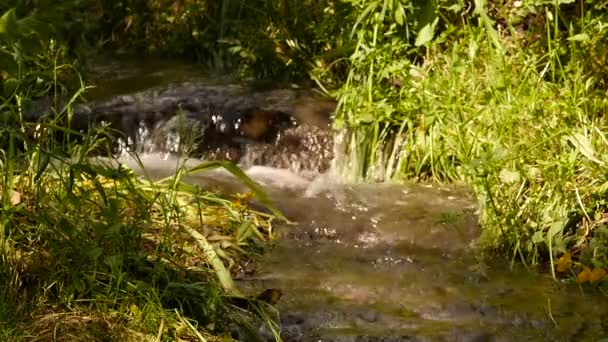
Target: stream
x: 363, y: 262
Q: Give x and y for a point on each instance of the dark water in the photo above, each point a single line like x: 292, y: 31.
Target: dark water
x: 183, y: 111
x: 392, y: 262
x: 112, y: 77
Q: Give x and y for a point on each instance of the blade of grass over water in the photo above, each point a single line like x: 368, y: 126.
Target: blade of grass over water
x: 222, y: 273
x: 240, y: 175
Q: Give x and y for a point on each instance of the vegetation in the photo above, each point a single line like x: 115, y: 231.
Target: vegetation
x: 513, y: 106
x: 507, y: 96
x: 88, y: 250
x: 261, y: 39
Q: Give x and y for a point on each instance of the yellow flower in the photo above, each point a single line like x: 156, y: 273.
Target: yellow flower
x: 584, y: 276
x: 589, y: 276
x: 597, y: 274
x: 564, y: 262
x: 242, y: 200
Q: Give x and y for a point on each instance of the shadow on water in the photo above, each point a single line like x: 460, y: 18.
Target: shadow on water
x: 388, y: 262
x: 113, y: 77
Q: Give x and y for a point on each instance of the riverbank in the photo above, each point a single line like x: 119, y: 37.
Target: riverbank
x: 506, y: 97
x: 514, y: 108
x: 91, y: 251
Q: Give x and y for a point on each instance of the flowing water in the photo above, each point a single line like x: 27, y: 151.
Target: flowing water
x: 363, y: 262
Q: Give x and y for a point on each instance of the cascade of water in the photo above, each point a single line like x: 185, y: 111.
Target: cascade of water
x: 280, y: 128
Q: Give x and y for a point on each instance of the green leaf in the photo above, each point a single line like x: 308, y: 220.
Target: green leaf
x: 480, y: 10
x: 212, y: 255
x: 241, y: 176
x: 10, y: 86
x: 8, y: 25
x: 556, y: 228
x: 426, y: 34
x: 480, y: 7
x: 583, y: 144
x: 244, y: 232
x: 9, y: 66
x: 363, y: 15
x: 538, y: 237
x: 95, y: 253
x: 400, y: 14
x: 12, y: 29
x: 427, y: 12
x: 581, y: 37
x: 43, y: 162
x: 383, y: 11
x: 454, y: 8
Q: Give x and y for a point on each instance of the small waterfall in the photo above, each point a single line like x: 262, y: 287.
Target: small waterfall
x: 285, y: 128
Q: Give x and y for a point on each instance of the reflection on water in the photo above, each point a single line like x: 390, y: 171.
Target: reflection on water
x: 112, y: 77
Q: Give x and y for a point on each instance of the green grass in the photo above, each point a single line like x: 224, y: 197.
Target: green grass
x: 523, y: 125
x: 91, y: 251
x: 91, y: 248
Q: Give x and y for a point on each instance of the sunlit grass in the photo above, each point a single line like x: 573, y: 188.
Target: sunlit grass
x: 91, y: 251
x: 88, y: 246
x: 527, y: 133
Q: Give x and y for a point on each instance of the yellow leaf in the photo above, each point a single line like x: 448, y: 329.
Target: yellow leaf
x: 597, y: 274
x: 134, y: 309
x: 564, y: 262
x: 584, y: 276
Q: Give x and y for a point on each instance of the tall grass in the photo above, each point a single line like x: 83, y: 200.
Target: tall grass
x: 522, y: 123
x: 90, y: 246
x: 89, y: 250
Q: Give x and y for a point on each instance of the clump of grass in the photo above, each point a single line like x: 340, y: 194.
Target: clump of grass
x: 525, y: 127
x: 91, y: 247
x: 89, y: 250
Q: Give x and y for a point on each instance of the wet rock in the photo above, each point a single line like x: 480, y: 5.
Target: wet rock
x: 369, y: 316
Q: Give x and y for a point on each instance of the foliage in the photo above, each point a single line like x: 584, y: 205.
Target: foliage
x: 282, y: 40
x: 30, y: 59
x: 90, y: 241
x: 517, y: 114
